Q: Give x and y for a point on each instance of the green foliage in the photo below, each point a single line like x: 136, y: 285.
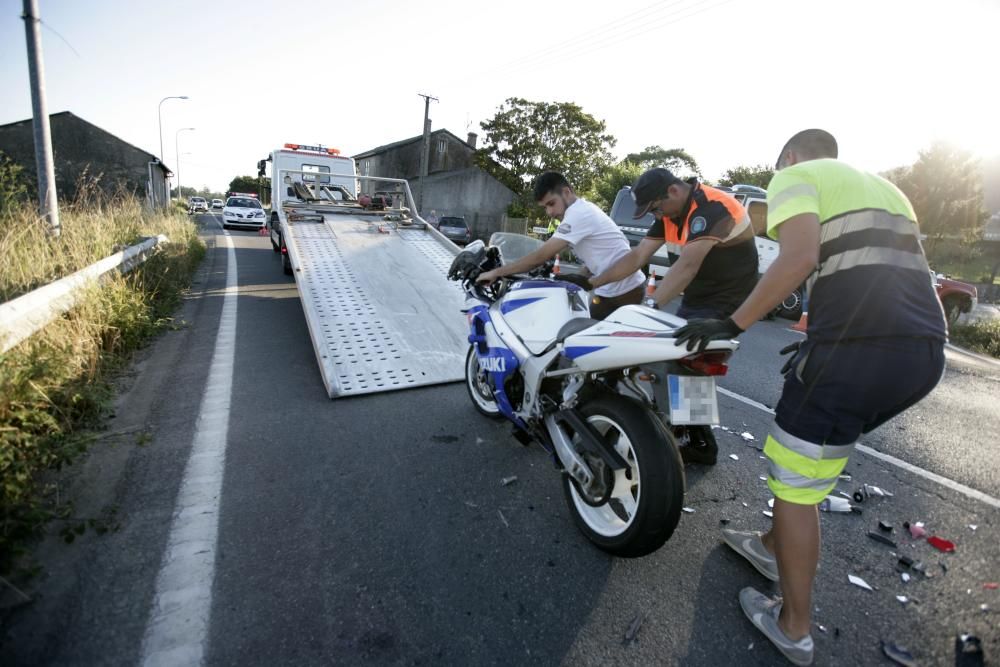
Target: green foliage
x: 982, y: 336
x: 53, y: 386
x: 13, y: 185
x: 945, y: 186
x: 605, y: 187
x: 677, y: 160
x: 249, y: 184
x: 758, y: 174
x: 524, y: 139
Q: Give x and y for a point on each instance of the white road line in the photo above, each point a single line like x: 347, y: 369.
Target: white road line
x: 177, y: 628
x: 899, y: 463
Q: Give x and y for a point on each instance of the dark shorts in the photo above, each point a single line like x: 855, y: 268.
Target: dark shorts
x: 703, y: 312
x: 834, y: 393
x: 602, y: 306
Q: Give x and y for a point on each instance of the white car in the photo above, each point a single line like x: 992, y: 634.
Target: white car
x: 243, y: 212
x: 197, y: 204
x: 218, y: 203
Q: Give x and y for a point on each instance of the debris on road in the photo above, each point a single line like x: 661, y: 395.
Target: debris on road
x: 916, y: 529
x: 973, y: 527
x: 991, y: 586
x: 689, y: 510
x: 821, y: 628
x: 835, y: 504
x: 503, y: 518
x: 968, y: 651
x: 746, y: 435
x: 725, y: 428
x: 905, y: 562
x: 898, y: 654
x: 858, y: 581
x: 846, y: 477
x: 902, y: 599
x: 507, y: 481
x: 905, y: 577
x: 941, y: 544
x: 770, y: 503
x: 984, y: 607
x: 869, y: 491
x: 762, y: 478
x: 879, y: 537
x: 633, y: 629
x: 886, y: 527
x: 768, y: 513
x: 734, y: 457
x: 724, y: 522
x: 750, y: 648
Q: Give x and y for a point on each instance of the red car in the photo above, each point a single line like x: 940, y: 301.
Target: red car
x: 956, y: 297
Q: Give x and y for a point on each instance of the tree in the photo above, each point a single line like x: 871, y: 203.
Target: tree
x: 945, y: 186
x: 677, y: 160
x: 759, y: 175
x: 525, y: 138
x: 251, y: 184
x: 605, y: 187
x: 13, y: 184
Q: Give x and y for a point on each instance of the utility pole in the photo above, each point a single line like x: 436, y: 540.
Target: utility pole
x: 48, y: 205
x: 427, y: 149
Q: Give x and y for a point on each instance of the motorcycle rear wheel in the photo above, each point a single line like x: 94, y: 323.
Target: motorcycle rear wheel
x: 645, y: 504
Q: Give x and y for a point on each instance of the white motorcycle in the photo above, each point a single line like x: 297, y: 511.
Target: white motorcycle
x: 602, y: 397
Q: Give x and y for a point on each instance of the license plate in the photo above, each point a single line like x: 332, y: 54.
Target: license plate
x: 692, y: 400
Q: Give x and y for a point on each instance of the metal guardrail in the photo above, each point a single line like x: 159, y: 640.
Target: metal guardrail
x: 25, y: 315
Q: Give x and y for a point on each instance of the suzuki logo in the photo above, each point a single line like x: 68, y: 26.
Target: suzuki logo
x: 493, y: 364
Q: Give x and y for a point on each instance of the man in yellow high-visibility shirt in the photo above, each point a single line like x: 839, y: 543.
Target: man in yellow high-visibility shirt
x: 874, y: 348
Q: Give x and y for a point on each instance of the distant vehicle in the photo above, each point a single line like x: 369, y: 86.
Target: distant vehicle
x: 740, y: 187
x: 218, y: 203
x: 197, y: 205
x: 243, y: 212
x: 956, y: 297
x: 456, y: 229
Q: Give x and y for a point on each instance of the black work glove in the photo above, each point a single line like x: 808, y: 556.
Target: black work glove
x: 699, y: 333
x: 792, y: 349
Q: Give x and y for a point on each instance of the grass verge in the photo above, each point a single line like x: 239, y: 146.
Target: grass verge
x: 54, y: 386
x: 982, y: 336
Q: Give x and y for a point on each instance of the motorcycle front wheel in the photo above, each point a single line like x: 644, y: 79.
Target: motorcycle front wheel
x: 644, y: 505
x: 478, y: 385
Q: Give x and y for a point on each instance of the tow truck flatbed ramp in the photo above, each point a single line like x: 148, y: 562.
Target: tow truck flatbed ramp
x: 381, y: 312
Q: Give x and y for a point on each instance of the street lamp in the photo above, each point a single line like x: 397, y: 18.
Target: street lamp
x: 159, y: 118
x: 178, y: 153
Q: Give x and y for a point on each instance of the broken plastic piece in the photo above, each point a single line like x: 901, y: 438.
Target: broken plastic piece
x: 724, y: 522
x: 879, y: 537
x: 845, y: 477
x: 898, y: 654
x: 984, y: 607
x: 869, y: 491
x: 689, y: 510
x: 902, y: 599
x: 745, y: 505
x: 725, y: 428
x: 507, y: 481
x: 941, y: 544
x: 762, y: 478
x: 973, y: 527
x: 906, y: 561
x: 633, y: 629
x: 734, y: 457
x: 768, y: 513
x: 991, y: 586
x: 858, y: 581
x: 905, y: 577
x: 835, y: 504
x: 887, y: 527
x: 746, y: 435
x: 770, y: 503
x: 821, y: 628
x: 917, y: 530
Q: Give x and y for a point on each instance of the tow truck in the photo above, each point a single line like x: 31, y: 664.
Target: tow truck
x: 370, y: 272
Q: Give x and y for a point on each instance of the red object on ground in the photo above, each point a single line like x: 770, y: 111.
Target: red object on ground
x: 941, y: 544
x: 991, y: 586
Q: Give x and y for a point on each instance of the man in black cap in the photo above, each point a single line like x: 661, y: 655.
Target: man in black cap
x: 717, y: 265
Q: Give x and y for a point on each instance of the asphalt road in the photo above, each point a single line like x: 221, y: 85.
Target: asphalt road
x: 375, y: 530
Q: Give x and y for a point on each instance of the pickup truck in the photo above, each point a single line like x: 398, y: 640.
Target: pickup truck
x: 753, y: 199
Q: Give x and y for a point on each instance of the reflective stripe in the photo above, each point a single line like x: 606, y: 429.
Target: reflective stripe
x: 809, y: 449
x: 872, y: 256
x: 791, y: 494
x: 796, y: 463
x: 797, y: 481
x: 791, y: 192
x: 868, y: 219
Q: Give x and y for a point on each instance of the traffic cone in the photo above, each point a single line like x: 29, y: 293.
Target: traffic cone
x: 555, y: 268
x: 802, y: 324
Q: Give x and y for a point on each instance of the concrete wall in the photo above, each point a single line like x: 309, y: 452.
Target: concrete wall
x: 80, y: 147
x: 471, y: 193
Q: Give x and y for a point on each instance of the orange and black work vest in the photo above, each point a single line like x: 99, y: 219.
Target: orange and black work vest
x: 727, y: 274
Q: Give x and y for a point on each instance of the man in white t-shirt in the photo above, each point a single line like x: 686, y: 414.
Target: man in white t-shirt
x: 594, y: 237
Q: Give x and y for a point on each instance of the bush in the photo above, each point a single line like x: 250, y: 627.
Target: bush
x: 982, y: 336
x: 54, y: 385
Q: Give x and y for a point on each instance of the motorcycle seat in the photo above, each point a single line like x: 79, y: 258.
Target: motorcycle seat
x: 573, y: 326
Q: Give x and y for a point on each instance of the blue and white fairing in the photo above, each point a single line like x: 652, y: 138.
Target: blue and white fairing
x: 537, y: 309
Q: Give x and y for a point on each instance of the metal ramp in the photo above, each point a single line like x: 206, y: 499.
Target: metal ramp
x: 381, y: 312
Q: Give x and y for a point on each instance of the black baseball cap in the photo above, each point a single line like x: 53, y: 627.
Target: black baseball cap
x: 649, y: 187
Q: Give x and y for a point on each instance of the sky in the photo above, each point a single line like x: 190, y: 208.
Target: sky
x: 727, y: 80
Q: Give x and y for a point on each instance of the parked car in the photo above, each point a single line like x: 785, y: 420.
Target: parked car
x: 243, y: 212
x: 956, y: 297
x: 218, y: 204
x: 455, y: 228
x: 197, y: 205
